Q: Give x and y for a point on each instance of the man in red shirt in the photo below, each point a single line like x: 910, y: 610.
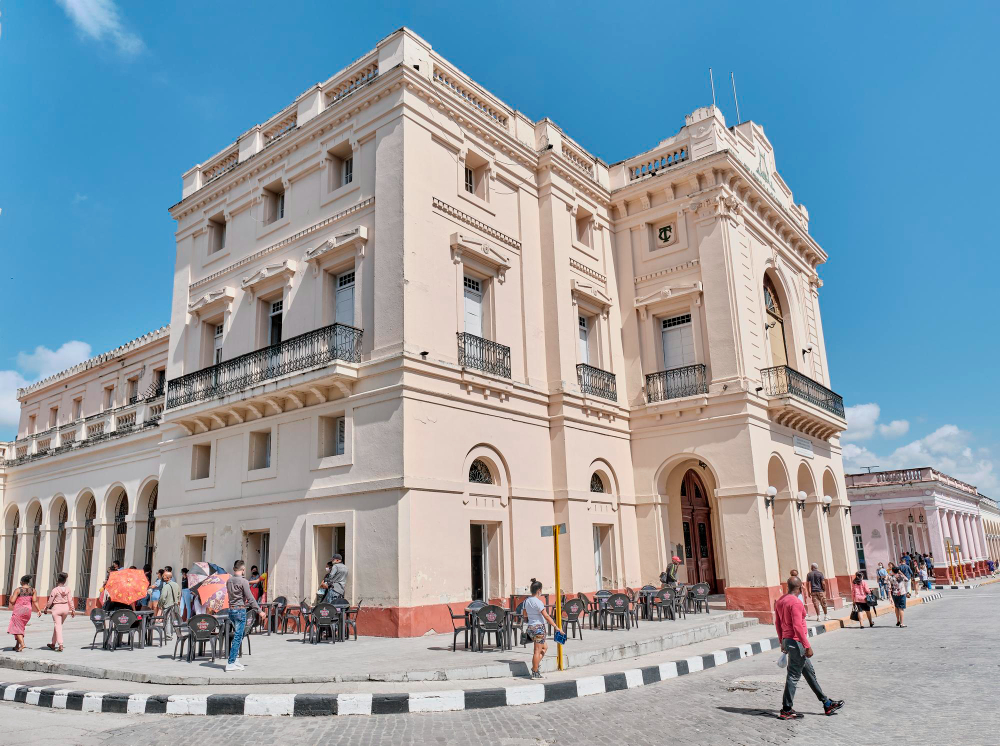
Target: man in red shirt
x: 790, y: 621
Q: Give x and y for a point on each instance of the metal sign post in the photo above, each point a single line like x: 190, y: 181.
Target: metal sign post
x: 554, y: 531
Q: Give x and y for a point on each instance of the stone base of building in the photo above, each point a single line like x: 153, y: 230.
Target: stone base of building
x: 754, y: 602
x: 942, y: 576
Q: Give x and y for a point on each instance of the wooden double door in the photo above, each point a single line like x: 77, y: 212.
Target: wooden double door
x: 696, y: 517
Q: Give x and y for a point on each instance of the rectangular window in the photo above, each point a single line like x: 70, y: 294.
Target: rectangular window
x: 473, y: 307
x: 260, y: 450
x: 31, y: 424
x: 159, y: 381
x: 217, y: 345
x: 345, y: 299
x: 687, y: 541
x: 678, y: 342
x: 274, y: 322
x: 274, y: 205
x: 584, y: 340
x: 332, y: 436
x: 77, y: 408
x: 53, y: 416
x: 133, y: 390
x: 109, y: 397
x: 470, y: 180
x: 348, y: 171
x: 216, y: 235
x: 859, y: 546
x: 201, y: 459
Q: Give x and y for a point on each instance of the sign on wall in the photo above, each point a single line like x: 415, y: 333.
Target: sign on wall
x: 803, y: 446
x: 665, y: 235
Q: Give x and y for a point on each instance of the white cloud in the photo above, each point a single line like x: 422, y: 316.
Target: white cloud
x: 895, y: 429
x: 34, y: 366
x: 100, y: 20
x: 861, y: 419
x: 78, y: 198
x: 947, y: 449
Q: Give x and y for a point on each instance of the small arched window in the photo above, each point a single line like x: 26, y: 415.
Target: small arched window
x: 596, y: 483
x: 480, y: 473
x: 771, y: 301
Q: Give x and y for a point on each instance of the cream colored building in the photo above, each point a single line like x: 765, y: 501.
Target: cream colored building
x: 413, y: 326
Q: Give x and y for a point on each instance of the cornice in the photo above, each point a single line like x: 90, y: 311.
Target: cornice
x: 212, y: 301
x: 462, y: 245
x: 667, y: 292
x: 356, y: 238
x: 692, y: 264
x: 284, y: 269
x: 479, y: 225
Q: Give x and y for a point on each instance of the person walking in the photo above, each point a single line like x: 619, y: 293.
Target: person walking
x: 537, y: 617
x: 790, y: 621
x: 795, y: 574
x: 254, y: 581
x: 59, y: 606
x: 21, y: 602
x: 883, y: 581
x: 153, y: 597
x: 817, y: 590
x: 897, y: 587
x: 859, y: 594
x: 187, y: 596
x: 904, y: 568
x: 170, y: 597
x: 240, y: 598
x: 668, y: 578
x: 336, y: 579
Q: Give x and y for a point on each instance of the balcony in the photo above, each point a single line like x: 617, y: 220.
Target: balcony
x: 675, y: 383
x: 596, y: 382
x: 483, y: 354
x: 799, y: 402
x: 318, y: 347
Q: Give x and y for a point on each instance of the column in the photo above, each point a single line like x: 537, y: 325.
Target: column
x: 935, y: 533
x: 972, y: 529
x: 967, y: 549
x: 984, y: 547
x: 953, y: 534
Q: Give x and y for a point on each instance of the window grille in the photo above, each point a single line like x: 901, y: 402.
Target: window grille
x: 472, y: 284
x: 479, y: 472
x: 151, y: 526
x: 83, y: 584
x: 348, y: 171
x: 12, y: 555
x: 121, y: 531
x: 345, y: 279
x: 596, y: 483
x: 677, y: 321
x: 57, y: 566
x: 470, y: 181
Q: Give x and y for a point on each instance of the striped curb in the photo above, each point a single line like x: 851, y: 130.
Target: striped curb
x: 966, y: 587
x: 311, y: 705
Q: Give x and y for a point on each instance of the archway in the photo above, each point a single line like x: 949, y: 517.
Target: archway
x: 145, y: 524
x: 36, y: 542
x: 785, y: 519
x: 58, y: 516
x: 813, y: 524
x: 775, y: 323
x: 85, y: 515
x: 696, y: 527
x: 11, y: 527
x: 119, y: 534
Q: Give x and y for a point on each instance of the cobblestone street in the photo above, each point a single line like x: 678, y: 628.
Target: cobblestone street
x: 942, y: 656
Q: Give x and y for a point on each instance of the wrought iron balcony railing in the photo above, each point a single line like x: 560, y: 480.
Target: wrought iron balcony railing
x: 783, y: 380
x: 676, y: 382
x: 334, y: 342
x: 483, y: 354
x: 597, y: 382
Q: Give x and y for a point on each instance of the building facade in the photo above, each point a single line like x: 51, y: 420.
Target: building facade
x: 413, y: 326
x: 923, y: 510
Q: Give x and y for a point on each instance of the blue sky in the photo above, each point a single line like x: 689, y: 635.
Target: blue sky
x: 882, y: 119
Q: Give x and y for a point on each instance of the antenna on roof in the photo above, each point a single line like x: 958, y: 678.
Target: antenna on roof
x: 869, y: 468
x: 712, y: 81
x: 733, y: 79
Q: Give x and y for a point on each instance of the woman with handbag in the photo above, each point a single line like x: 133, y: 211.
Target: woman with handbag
x: 862, y: 596
x: 537, y: 616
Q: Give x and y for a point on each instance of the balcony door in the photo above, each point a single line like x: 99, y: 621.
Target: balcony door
x: 274, y: 319
x: 473, y: 307
x: 775, y: 325
x: 678, y: 342
x: 345, y: 299
x: 584, y: 341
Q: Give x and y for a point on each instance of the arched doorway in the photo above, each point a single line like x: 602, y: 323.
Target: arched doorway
x: 151, y: 527
x: 696, y: 522
x: 15, y: 524
x: 775, y: 324
x: 86, y: 553
x: 59, y: 553
x: 36, y: 545
x: 121, y: 530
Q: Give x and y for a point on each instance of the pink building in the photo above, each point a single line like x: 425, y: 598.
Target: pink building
x: 920, y: 510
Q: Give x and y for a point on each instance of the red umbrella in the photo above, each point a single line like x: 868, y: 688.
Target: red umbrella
x: 127, y: 586
x: 213, y: 594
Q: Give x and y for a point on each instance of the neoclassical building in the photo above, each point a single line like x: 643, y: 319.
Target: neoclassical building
x: 923, y: 510
x: 413, y: 326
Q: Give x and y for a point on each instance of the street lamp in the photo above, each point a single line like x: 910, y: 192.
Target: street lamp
x: 800, y: 499
x: 827, y: 500
x: 769, y: 497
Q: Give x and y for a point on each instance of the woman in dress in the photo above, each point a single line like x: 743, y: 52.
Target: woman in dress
x: 859, y: 594
x: 22, y: 601
x: 59, y: 606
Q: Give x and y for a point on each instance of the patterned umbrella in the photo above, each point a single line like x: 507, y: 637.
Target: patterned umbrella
x: 127, y: 586
x: 201, y: 571
x: 213, y: 594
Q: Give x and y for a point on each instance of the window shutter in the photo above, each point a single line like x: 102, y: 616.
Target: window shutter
x: 341, y: 436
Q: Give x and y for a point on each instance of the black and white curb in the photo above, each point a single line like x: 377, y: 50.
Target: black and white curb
x: 311, y: 705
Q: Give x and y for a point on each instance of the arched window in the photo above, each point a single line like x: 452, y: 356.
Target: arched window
x: 151, y: 526
x: 596, y: 483
x: 774, y: 324
x: 121, y: 530
x: 36, y: 545
x: 87, y: 553
x: 57, y: 565
x: 480, y: 473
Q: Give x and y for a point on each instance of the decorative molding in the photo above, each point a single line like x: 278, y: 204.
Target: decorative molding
x: 285, y: 269
x: 667, y: 292
x: 283, y: 243
x: 356, y: 237
x: 477, y: 224
x: 669, y: 270
x: 587, y: 270
x: 462, y: 244
x: 590, y: 292
x: 212, y: 301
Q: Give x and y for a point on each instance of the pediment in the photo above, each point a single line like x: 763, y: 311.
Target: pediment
x: 355, y: 238
x: 212, y: 301
x: 590, y: 291
x: 667, y: 292
x: 284, y: 269
x: 463, y: 244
